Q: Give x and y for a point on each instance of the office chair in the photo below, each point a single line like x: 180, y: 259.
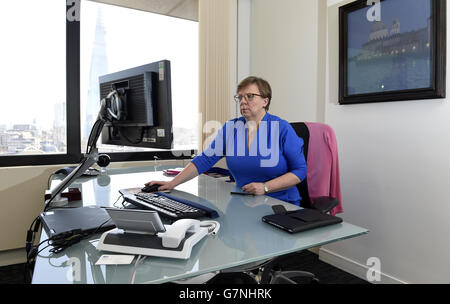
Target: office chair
x: 320, y: 190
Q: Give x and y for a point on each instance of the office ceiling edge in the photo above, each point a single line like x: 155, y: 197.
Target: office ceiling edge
x: 184, y: 9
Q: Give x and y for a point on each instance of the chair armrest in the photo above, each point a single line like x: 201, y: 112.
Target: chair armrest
x: 324, y: 203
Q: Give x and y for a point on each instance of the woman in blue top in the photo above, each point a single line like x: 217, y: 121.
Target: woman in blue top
x: 263, y: 152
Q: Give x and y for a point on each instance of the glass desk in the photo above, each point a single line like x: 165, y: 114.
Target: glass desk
x: 242, y: 239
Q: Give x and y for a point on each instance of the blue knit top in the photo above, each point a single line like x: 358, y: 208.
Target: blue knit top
x: 275, y: 150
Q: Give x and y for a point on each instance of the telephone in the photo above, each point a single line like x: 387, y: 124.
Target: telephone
x: 176, y: 232
x: 142, y: 232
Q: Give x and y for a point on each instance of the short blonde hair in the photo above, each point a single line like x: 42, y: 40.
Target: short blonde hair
x: 263, y: 86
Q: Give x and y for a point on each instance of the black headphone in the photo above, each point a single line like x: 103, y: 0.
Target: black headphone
x: 117, y: 104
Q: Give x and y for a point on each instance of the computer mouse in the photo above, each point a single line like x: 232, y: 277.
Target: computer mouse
x: 152, y: 188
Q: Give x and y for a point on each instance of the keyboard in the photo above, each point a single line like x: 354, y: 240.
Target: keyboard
x: 167, y: 205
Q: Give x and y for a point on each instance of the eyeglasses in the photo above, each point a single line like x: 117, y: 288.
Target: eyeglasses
x: 248, y: 97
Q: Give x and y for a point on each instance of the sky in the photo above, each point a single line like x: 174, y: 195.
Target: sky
x: 141, y: 38
x: 32, y: 60
x: 32, y: 55
x: 413, y: 15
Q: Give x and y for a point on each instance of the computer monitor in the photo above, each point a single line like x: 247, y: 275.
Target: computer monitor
x: 135, y: 110
x: 146, y: 102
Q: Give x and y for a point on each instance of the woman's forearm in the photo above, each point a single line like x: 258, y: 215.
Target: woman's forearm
x: 188, y: 173
x: 282, y: 182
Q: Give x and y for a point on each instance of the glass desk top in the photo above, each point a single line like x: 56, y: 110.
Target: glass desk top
x: 242, y: 239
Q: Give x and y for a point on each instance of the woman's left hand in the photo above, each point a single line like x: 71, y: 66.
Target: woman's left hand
x: 254, y: 188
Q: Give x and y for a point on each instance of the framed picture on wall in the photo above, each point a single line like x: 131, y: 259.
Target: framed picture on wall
x: 392, y: 50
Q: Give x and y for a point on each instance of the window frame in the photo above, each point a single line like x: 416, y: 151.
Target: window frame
x: 73, y: 123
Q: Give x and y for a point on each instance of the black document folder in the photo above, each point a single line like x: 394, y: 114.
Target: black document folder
x: 300, y: 220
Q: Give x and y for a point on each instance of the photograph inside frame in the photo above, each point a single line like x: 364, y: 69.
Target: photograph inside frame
x: 390, y: 50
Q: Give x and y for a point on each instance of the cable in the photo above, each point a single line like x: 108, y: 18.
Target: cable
x: 30, y: 260
x: 98, y: 228
x: 138, y: 141
x: 33, y: 253
x: 31, y: 234
x: 213, y: 226
x: 33, y: 222
x: 62, y: 241
x: 72, y: 237
x: 66, y: 239
x: 133, y: 274
x: 48, y: 245
x: 114, y: 204
x: 48, y: 181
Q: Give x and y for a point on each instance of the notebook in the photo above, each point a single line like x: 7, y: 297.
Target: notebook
x: 88, y: 219
x: 300, y: 220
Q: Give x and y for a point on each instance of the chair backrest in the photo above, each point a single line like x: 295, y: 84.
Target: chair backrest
x: 302, y: 131
x: 321, y: 155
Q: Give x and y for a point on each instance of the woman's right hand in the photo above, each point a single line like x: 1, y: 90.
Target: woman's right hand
x: 165, y: 185
x: 188, y: 173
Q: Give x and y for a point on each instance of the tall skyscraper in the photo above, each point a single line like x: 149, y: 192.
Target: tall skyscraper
x: 99, y: 66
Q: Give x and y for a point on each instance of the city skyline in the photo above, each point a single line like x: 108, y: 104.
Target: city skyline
x: 31, y: 139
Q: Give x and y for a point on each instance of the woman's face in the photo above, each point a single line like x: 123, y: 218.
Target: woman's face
x: 252, y: 108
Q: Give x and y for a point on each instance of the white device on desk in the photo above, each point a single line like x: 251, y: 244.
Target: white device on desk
x: 142, y: 232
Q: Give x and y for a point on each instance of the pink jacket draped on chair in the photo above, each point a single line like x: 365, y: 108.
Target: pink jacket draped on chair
x: 323, y: 164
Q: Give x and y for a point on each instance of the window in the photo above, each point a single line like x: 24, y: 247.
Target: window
x: 32, y: 77
x: 115, y: 38
x: 48, y: 80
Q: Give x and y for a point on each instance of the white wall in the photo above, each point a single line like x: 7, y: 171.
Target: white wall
x: 394, y: 156
x: 284, y: 50
x: 395, y: 173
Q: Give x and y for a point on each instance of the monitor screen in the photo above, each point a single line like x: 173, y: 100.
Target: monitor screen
x: 146, y: 106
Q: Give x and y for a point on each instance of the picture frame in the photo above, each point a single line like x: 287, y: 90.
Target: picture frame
x: 392, y: 50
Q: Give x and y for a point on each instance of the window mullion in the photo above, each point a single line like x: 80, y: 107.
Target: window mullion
x: 73, y: 89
